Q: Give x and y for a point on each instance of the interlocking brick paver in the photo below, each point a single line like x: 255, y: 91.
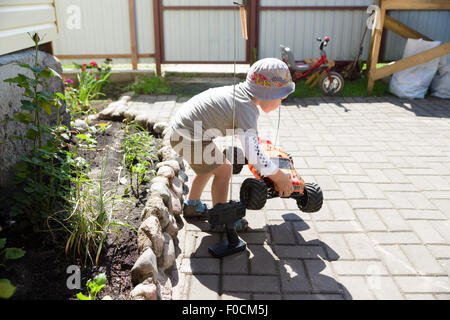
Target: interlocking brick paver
x: 396, y: 261
x: 263, y: 260
x: 251, y: 283
x: 423, y: 284
x: 383, y: 231
x: 357, y: 268
x: 294, y: 277
x: 338, y: 226
x: 423, y: 260
x: 426, y: 232
x: 394, y: 237
x: 361, y: 246
x: 393, y: 220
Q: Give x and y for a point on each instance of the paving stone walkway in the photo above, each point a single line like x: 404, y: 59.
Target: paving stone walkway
x: 383, y: 232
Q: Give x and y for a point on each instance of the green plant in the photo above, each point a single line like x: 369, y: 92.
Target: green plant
x: 139, y: 154
x: 93, y: 287
x: 91, y: 218
x: 151, y: 85
x: 91, y: 79
x: 6, y: 288
x: 44, y: 173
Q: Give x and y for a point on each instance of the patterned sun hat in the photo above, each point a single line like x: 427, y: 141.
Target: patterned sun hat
x: 269, y: 79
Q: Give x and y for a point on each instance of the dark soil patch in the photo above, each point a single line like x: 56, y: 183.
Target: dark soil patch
x: 42, y: 272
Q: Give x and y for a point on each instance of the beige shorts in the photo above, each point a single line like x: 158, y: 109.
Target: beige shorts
x: 202, y: 156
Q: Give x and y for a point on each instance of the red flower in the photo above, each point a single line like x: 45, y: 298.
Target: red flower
x: 97, y: 77
x: 93, y: 63
x: 83, y: 69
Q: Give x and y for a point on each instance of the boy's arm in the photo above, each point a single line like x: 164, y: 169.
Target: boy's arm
x: 261, y: 161
x: 255, y: 155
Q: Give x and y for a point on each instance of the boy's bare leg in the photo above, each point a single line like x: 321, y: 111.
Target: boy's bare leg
x: 198, y: 184
x: 220, y: 184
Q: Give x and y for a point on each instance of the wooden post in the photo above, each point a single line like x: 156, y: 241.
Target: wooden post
x: 251, y: 43
x: 132, y: 14
x: 375, y: 47
x: 157, y: 35
x: 402, y: 29
x: 408, y: 62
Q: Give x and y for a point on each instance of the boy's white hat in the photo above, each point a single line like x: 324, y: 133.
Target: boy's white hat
x: 269, y: 79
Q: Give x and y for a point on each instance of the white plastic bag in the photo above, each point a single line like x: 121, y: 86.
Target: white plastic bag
x: 440, y: 86
x: 414, y: 82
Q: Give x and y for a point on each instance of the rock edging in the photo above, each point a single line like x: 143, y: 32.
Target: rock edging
x: 159, y: 228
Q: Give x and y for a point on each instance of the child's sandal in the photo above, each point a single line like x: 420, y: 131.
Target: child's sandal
x: 194, y: 208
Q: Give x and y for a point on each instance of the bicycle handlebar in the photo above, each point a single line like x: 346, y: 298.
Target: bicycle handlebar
x: 324, y: 42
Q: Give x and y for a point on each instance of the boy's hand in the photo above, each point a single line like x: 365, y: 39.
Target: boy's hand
x: 283, y: 182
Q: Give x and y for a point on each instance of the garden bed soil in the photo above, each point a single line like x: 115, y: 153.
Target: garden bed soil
x: 42, y: 272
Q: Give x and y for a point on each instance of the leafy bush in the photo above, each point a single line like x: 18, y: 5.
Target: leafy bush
x: 91, y: 79
x: 91, y: 216
x: 6, y: 288
x: 93, y: 287
x: 139, y: 154
x: 42, y: 177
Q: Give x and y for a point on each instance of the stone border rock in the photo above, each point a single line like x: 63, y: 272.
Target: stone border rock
x: 159, y: 228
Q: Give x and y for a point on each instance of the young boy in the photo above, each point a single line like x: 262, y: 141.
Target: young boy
x: 210, y: 114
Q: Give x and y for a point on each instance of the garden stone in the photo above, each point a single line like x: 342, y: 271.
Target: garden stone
x: 150, y: 123
x: 183, y: 176
x: 152, y: 229
x: 172, y: 227
x: 165, y: 132
x: 142, y: 119
x: 79, y: 124
x: 144, y: 242
x: 162, y: 190
x: 136, y: 108
x: 156, y: 207
x: 170, y: 163
x: 91, y: 118
x: 165, y: 171
x: 174, y: 204
x: 111, y: 108
x: 164, y: 285
x: 145, y: 266
x: 167, y: 153
x: 159, y: 127
x: 168, y: 256
x: 118, y: 112
x: 162, y: 180
x: 106, y: 114
x: 156, y: 202
x: 165, y: 143
x: 164, y: 218
x: 177, y: 186
x: 144, y: 291
x: 125, y: 98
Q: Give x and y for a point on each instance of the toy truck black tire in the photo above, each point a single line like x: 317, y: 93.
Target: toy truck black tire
x: 237, y: 156
x: 253, y: 194
x: 312, y: 200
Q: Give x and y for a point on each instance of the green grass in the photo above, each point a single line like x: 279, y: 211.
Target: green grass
x: 151, y: 85
x: 354, y: 88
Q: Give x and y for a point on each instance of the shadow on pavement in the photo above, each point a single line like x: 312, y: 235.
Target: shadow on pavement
x: 278, y: 262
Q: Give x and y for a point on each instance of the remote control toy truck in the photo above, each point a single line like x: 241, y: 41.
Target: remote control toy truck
x: 255, y: 191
